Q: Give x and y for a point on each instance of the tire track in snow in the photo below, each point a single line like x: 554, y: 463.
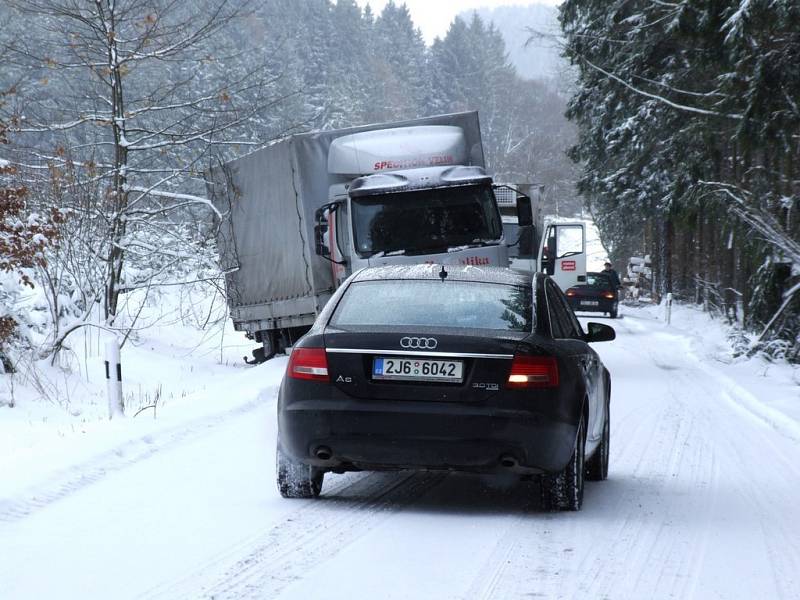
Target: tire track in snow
x: 770, y: 501
x: 553, y: 551
x: 499, y: 577
x: 761, y: 466
x: 642, y: 557
x: 737, y: 448
x: 69, y: 481
x: 659, y: 435
x: 648, y: 557
x: 352, y: 485
x: 490, y: 577
x: 263, y: 565
x: 637, y: 555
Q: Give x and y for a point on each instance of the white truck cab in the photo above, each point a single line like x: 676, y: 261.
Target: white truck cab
x: 562, y: 254
x: 412, y: 200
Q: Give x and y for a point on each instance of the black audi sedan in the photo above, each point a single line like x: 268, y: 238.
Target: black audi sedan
x: 598, y: 294
x: 425, y: 367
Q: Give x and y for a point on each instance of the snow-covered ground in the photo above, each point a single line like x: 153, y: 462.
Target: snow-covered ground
x: 179, y: 362
x: 700, y: 502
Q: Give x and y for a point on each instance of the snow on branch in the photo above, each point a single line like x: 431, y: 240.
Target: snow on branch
x: 761, y: 221
x: 191, y: 198
x: 103, y: 119
x: 662, y: 99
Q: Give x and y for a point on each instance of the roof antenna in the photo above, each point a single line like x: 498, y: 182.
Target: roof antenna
x: 443, y: 274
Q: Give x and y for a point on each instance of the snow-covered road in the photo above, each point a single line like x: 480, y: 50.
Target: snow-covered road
x: 701, y: 502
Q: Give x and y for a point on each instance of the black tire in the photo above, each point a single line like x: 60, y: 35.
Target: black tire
x: 564, y: 490
x: 613, y: 314
x: 597, y: 465
x: 296, y: 480
x: 269, y: 344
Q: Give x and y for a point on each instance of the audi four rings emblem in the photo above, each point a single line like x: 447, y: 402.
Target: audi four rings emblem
x: 419, y: 343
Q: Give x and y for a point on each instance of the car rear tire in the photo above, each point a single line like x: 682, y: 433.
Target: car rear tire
x: 564, y: 490
x: 297, y: 480
x: 613, y: 314
x: 597, y: 465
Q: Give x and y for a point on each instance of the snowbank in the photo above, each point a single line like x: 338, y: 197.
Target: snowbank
x: 767, y: 388
x: 183, y: 363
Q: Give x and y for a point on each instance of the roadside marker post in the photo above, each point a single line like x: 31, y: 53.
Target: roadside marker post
x: 669, y: 308
x: 116, y: 407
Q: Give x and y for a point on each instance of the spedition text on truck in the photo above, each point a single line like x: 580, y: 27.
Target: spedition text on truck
x: 302, y: 214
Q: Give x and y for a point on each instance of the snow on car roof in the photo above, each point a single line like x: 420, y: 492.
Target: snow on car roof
x: 454, y: 273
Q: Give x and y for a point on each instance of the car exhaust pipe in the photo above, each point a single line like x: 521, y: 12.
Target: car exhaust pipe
x: 508, y: 461
x: 323, y: 453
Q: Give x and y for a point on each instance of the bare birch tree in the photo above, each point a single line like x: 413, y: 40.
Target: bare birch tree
x: 130, y: 100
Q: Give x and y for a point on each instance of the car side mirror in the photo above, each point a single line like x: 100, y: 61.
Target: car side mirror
x: 599, y: 332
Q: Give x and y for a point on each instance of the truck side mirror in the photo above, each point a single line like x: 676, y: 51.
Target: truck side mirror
x: 526, y: 242
x: 524, y: 211
x: 549, y: 256
x: 319, y: 239
x: 320, y: 230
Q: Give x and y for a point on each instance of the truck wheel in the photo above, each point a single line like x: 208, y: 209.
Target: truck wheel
x: 564, y: 490
x: 597, y: 465
x: 296, y: 480
x: 265, y: 352
x: 269, y: 346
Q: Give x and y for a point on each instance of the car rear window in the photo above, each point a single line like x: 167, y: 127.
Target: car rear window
x: 598, y: 280
x: 464, y: 304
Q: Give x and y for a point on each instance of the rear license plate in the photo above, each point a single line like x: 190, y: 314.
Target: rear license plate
x: 590, y: 303
x: 417, y: 369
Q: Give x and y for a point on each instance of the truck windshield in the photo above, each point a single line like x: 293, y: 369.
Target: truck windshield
x: 423, y: 221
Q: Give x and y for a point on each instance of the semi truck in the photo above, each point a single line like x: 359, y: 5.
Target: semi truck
x: 298, y: 216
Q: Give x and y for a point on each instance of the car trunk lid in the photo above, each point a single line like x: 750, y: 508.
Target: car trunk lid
x: 485, y: 360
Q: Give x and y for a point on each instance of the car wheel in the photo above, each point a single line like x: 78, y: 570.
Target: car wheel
x: 296, y: 480
x: 613, y: 314
x: 564, y: 490
x: 597, y: 465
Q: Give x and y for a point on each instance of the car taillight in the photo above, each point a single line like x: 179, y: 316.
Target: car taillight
x: 609, y: 295
x: 533, y: 372
x: 308, y: 363
x: 570, y: 293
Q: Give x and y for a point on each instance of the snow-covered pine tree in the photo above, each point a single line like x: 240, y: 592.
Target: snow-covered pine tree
x: 400, y: 82
x: 689, y: 136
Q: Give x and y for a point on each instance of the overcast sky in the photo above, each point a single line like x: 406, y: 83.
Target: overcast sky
x: 433, y: 17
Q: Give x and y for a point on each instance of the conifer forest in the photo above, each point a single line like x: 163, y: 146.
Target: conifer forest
x: 689, y: 139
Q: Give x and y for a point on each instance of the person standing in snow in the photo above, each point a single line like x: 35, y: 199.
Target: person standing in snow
x: 608, y: 269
